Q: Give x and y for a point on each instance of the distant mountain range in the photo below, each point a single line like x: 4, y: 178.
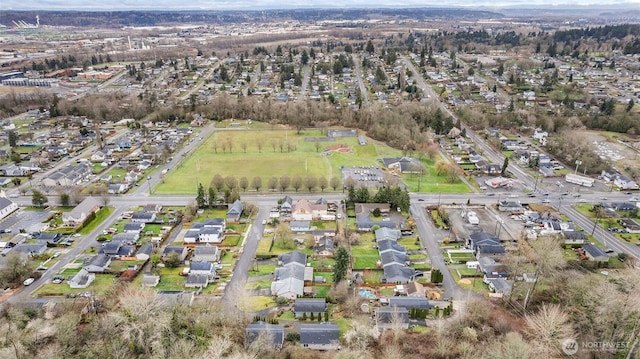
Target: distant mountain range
x: 126, y: 15
x: 124, y: 5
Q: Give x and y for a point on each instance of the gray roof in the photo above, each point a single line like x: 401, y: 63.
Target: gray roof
x: 310, y: 305
x: 491, y: 249
x: 142, y: 215
x: 5, y: 202
x: 397, y: 272
x: 126, y: 237
x: 409, y: 302
x: 325, y: 244
x: 387, y: 233
x: 393, y: 257
x: 235, y: 208
x: 99, y: 260
x: 300, y: 224
x: 130, y: 226
x: 388, y: 245
x: 293, y: 257
x: 126, y: 251
x: 145, y: 249
x: 204, y: 250
x: 386, y: 314
x: 275, y: 332
x: 111, y: 247
x: 177, y: 249
x: 323, y: 333
x: 197, y: 279
x: 593, y: 251
x: 200, y: 266
x: 30, y: 248
x: 84, y: 207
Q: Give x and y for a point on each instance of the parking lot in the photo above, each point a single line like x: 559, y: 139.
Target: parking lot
x: 30, y: 221
x: 368, y: 176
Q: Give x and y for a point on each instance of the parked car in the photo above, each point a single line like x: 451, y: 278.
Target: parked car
x: 28, y: 281
x: 57, y: 279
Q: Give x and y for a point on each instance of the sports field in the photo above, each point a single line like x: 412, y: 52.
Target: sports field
x: 268, y: 153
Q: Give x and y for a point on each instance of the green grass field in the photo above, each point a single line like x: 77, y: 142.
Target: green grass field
x: 246, y: 159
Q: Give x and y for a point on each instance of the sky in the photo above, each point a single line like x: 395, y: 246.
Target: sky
x: 278, y: 4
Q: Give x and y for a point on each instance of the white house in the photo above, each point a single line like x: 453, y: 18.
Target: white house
x: 80, y: 212
x: 7, y: 207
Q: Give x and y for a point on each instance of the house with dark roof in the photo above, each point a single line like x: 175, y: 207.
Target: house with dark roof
x: 79, y: 213
x: 111, y: 248
x: 409, y: 302
x: 256, y: 331
x: 98, y: 263
x: 477, y: 238
x: 171, y: 298
x: 396, y: 273
x: 31, y: 249
x: 210, y: 231
x: 127, y: 238
x: 323, y: 336
x: 143, y: 217
x: 288, y: 280
x: 391, y: 318
x: 196, y: 281
x: 500, y: 286
x: 144, y: 252
x: 324, y: 247
x: 300, y: 226
x: 415, y: 289
x: 207, y: 253
x: 234, y: 211
x: 595, y: 253
x: 630, y: 225
x: 509, y: 206
x: 574, y: 237
x: 385, y: 233
x: 491, y: 268
x: 180, y: 250
x: 287, y: 204
x: 150, y: 280
x: 317, y: 306
x: 82, y: 279
x: 133, y: 227
x: 390, y: 246
x: 489, y: 250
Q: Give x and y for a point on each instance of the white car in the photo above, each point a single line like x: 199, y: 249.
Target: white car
x: 546, y: 200
x: 28, y: 281
x: 264, y: 221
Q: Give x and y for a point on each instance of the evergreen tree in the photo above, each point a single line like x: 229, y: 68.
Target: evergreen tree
x: 505, y: 164
x: 341, y: 266
x: 630, y: 105
x: 200, y: 198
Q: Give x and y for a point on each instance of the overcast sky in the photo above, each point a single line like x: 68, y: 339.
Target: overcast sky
x: 274, y: 4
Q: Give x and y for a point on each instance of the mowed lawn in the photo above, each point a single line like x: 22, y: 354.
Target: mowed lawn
x: 247, y: 159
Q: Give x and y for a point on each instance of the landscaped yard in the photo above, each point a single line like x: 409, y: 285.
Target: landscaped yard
x: 101, y: 285
x: 258, y: 153
x: 101, y: 215
x: 364, y: 255
x: 256, y: 303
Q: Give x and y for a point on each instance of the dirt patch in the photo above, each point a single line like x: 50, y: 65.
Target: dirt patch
x: 464, y: 282
x: 433, y: 295
x: 342, y: 148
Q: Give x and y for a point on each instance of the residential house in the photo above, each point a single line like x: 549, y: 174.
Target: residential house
x: 111, y: 249
x: 133, y: 227
x: 287, y: 204
x: 390, y: 246
x: 210, y: 231
x: 172, y: 298
x: 324, y: 247
x: 201, y: 267
x: 630, y: 225
x: 31, y: 249
x: 415, y: 289
x: 396, y: 273
x: 595, y: 253
x: 144, y: 252
x: 143, y: 217
x: 79, y: 213
x: 481, y: 237
x: 149, y: 280
x: 234, y: 211
x: 258, y: 330
x: 288, y: 280
x: 489, y: 250
x: 7, y: 207
x: 196, y: 281
x: 510, y: 206
x: 500, y: 286
x: 385, y: 233
x: 317, y: 306
x: 126, y: 238
x: 323, y: 336
x: 574, y: 237
x: 391, y: 318
x: 302, y: 211
x: 180, y: 250
x: 11, y: 170
x: 410, y: 302
x: 117, y: 188
x: 492, y: 269
x: 98, y: 157
x: 82, y: 279
x: 206, y: 253
x: 98, y: 263
x: 300, y: 226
